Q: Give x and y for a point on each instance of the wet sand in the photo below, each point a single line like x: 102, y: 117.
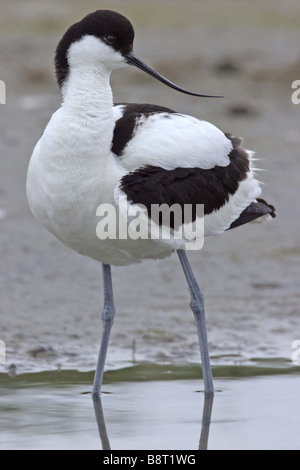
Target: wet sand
x: 51, y: 297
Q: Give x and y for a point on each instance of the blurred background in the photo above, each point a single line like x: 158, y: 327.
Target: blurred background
x: 51, y: 298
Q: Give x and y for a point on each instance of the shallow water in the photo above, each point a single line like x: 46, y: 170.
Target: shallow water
x: 41, y: 412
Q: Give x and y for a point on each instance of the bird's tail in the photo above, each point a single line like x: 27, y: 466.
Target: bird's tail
x: 259, y: 209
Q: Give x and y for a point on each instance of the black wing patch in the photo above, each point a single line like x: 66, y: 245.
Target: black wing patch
x: 155, y: 185
x: 125, y: 126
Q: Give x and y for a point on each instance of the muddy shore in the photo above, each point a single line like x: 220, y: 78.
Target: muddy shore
x: 51, y: 297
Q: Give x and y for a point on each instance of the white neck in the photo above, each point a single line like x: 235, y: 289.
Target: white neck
x: 87, y: 107
x: 87, y: 88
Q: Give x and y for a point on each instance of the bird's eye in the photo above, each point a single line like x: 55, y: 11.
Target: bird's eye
x: 110, y: 39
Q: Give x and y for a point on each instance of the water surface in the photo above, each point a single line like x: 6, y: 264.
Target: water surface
x: 157, y: 410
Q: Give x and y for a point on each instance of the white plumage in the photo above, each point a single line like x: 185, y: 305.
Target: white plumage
x: 176, y: 140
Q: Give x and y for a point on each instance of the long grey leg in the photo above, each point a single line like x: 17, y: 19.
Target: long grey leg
x: 108, y: 314
x: 197, y: 307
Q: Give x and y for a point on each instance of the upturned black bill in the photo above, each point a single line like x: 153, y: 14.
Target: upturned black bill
x: 132, y: 59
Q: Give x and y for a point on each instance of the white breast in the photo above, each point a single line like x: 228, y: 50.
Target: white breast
x: 68, y: 178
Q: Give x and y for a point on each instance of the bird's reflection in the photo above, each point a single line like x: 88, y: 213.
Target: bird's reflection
x: 206, y: 419
x: 101, y: 423
x: 205, y: 424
